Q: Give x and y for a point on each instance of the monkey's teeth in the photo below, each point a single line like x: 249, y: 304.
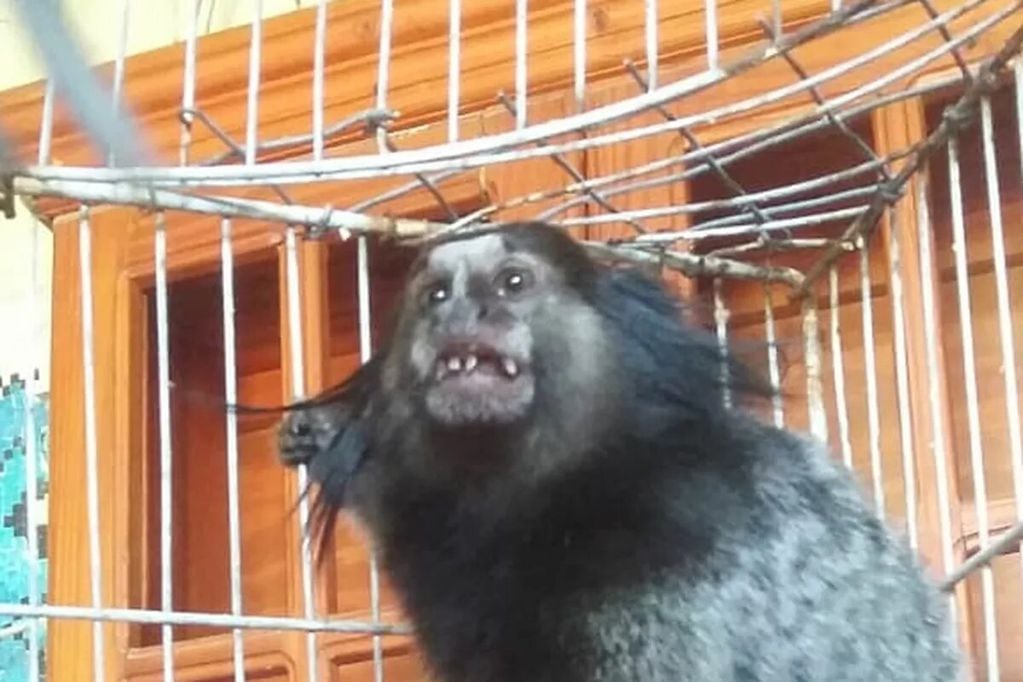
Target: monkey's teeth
x: 470, y: 362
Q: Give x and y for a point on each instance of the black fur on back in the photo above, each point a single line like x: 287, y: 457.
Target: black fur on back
x: 693, y: 543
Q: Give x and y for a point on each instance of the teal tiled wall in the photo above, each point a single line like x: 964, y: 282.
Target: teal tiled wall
x: 15, y: 562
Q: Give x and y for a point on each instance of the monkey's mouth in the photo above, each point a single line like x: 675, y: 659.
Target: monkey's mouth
x: 463, y: 360
x: 476, y: 384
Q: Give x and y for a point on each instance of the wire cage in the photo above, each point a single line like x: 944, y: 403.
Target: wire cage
x: 840, y: 179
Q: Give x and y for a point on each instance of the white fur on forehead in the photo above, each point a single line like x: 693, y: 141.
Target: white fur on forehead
x: 490, y: 247
x: 486, y: 249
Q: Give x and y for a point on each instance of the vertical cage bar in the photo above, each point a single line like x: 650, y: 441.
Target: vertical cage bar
x: 1018, y: 75
x: 46, y: 125
x: 1008, y: 343
x: 710, y: 12
x: 579, y: 53
x: 721, y: 315
x: 651, y: 45
x: 454, y: 66
x: 838, y: 367
x: 231, y: 398
x: 31, y: 453
x: 521, y: 55
x: 295, y: 332
x: 122, y: 50
x: 384, y: 65
x: 319, y: 55
x: 384, y: 52
x: 252, y: 103
x: 188, y: 84
x: 938, y: 445
x: 814, y: 388
x: 1017, y: 71
x: 777, y: 407
x: 987, y: 584
x: 365, y: 338
x: 902, y: 381
x: 295, y: 339
x: 365, y: 352
x: 166, y: 452
x: 365, y: 318
x: 870, y: 372
x: 91, y: 445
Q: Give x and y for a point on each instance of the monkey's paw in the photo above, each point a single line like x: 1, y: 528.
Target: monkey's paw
x: 304, y: 434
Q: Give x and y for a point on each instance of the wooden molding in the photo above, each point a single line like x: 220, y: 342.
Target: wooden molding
x: 897, y: 127
x: 69, y: 643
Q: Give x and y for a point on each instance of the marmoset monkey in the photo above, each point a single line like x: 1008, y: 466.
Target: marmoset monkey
x: 542, y: 457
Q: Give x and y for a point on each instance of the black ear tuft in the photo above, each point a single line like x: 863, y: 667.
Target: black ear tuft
x: 339, y: 449
x: 339, y: 443
x: 670, y: 361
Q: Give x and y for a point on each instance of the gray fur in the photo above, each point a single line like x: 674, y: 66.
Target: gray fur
x: 797, y: 603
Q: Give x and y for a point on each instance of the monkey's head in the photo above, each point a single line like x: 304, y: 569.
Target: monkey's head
x: 498, y: 329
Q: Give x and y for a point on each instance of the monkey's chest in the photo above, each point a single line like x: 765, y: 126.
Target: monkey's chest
x: 491, y: 608
x: 485, y: 615
x: 510, y: 606
x: 509, y: 599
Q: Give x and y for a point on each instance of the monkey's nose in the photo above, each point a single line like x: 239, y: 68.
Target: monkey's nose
x: 465, y: 315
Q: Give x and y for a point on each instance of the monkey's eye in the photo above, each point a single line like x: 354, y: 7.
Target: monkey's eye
x: 437, y: 293
x: 513, y: 281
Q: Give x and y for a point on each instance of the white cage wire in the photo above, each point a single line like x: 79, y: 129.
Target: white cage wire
x: 961, y: 56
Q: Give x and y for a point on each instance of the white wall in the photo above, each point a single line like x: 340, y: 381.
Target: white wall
x: 151, y: 24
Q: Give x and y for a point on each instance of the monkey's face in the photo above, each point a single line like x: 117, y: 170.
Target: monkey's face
x: 484, y: 323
